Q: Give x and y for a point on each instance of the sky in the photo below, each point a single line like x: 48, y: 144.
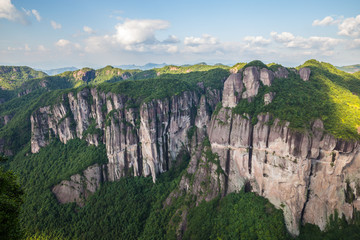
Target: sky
x: 48, y: 34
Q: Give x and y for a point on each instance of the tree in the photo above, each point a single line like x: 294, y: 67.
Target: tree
x: 10, y: 202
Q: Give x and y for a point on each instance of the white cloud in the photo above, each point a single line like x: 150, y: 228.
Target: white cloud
x: 203, y: 44
x: 27, y: 48
x: 96, y: 44
x: 33, y: 12
x: 88, y: 30
x: 350, y: 27
x: 204, y: 39
x: 355, y: 43
x: 171, y: 39
x: 36, y: 14
x: 9, y: 12
x: 14, y: 48
x: 55, y: 25
x: 282, y: 37
x: 67, y: 47
x: 132, y: 32
x: 257, y: 40
x: 290, y: 41
x: 41, y: 48
x: 325, y: 22
x: 62, y: 43
x: 136, y: 36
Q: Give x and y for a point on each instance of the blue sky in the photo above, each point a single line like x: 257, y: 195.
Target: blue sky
x: 50, y: 34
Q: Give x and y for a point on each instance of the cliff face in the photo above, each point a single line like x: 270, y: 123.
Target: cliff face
x: 143, y: 141
x: 308, y: 174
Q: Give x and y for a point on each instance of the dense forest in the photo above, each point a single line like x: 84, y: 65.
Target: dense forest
x: 135, y: 207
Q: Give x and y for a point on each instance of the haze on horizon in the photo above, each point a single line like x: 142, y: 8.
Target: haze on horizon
x: 44, y: 34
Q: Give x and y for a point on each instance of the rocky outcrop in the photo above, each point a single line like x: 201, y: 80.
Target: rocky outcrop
x: 251, y: 82
x: 139, y: 140
x: 6, y: 119
x: 305, y: 73
x: 233, y: 89
x: 281, y: 72
x: 300, y: 173
x: 266, y: 76
x: 80, y: 187
x: 268, y: 98
x: 84, y: 74
x: 308, y: 174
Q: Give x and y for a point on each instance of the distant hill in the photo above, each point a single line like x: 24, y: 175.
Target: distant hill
x: 144, y: 67
x: 13, y: 76
x: 56, y: 71
x: 350, y: 68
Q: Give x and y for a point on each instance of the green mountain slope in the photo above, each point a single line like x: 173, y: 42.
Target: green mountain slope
x: 138, y: 204
x: 330, y: 95
x: 350, y: 68
x: 12, y: 77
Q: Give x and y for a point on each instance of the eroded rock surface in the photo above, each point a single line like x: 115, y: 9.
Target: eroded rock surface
x: 308, y: 174
x: 305, y: 73
x: 142, y: 140
x: 80, y: 187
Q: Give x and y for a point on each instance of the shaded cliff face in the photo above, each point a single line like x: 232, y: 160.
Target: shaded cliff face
x: 308, y: 174
x: 139, y: 141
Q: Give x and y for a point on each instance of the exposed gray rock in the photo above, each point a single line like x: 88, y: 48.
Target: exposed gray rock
x: 84, y: 74
x: 251, y: 82
x: 268, y: 97
x: 304, y: 173
x: 281, y: 72
x: 79, y: 187
x: 266, y: 76
x: 7, y: 118
x: 142, y: 141
x: 233, y: 88
x: 305, y: 73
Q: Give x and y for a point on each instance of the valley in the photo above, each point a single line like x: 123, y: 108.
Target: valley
x: 267, y: 151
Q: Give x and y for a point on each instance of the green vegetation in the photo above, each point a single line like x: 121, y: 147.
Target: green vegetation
x: 350, y: 68
x: 119, y: 210
x: 337, y: 228
x: 253, y: 108
x: 12, y: 77
x: 40, y: 172
x: 274, y: 66
x: 256, y: 63
x: 133, y: 207
x: 238, y: 66
x: 167, y: 85
x: 331, y: 95
x: 10, y: 202
x: 236, y: 216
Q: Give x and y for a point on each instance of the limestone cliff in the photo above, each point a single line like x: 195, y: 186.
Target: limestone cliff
x: 308, y: 174
x: 141, y: 140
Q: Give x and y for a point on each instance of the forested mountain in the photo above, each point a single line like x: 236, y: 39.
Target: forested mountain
x: 252, y: 151
x: 350, y: 68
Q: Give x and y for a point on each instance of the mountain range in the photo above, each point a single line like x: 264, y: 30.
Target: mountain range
x: 186, y: 152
